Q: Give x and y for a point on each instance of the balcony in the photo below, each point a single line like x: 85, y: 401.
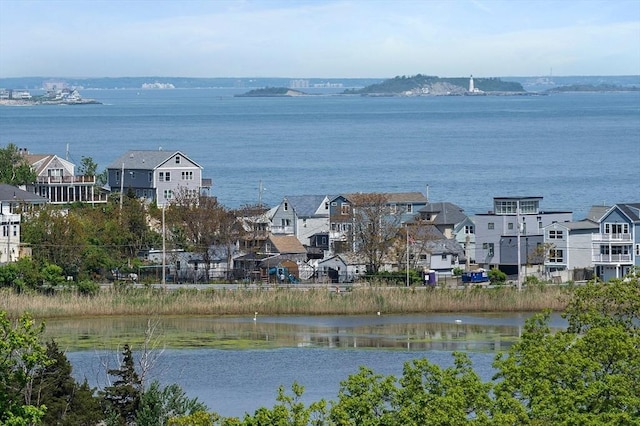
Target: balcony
x: 67, y: 180
x: 282, y: 230
x: 611, y: 238
x: 612, y: 258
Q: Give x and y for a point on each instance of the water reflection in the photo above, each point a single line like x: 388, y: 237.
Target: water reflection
x: 493, y: 332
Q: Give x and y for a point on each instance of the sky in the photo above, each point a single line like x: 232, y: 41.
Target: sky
x: 318, y: 39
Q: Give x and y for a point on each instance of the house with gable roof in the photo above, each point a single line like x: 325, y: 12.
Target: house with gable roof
x: 400, y: 207
x: 56, y: 180
x: 301, y: 215
x: 156, y: 175
x: 616, y: 247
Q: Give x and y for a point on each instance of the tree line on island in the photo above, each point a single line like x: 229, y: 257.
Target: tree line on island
x: 585, y: 374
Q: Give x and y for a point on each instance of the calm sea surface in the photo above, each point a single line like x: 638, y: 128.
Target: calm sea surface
x: 575, y: 150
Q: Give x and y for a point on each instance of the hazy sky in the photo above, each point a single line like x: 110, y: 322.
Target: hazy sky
x: 322, y: 38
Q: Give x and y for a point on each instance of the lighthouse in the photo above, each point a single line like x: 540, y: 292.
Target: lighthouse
x: 471, y: 88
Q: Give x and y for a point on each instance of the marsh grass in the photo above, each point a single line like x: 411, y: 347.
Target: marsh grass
x: 219, y: 302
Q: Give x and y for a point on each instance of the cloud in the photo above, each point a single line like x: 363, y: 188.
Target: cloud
x: 317, y: 39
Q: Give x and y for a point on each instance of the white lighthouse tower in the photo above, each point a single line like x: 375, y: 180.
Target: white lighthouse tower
x: 471, y: 88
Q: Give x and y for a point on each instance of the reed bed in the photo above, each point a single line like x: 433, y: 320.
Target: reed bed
x: 219, y: 302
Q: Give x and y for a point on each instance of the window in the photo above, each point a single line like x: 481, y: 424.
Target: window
x: 177, y: 159
x: 5, y: 230
x: 161, y: 176
x: 187, y: 175
x: 345, y: 208
x: 393, y: 208
x: 285, y: 222
x: 168, y: 194
x: 150, y: 177
x: 637, y: 249
x: 286, y: 206
x: 15, y: 231
x: 555, y: 234
x: 132, y: 174
x: 491, y: 225
x: 489, y: 247
x: 54, y: 172
x: 117, y: 176
x: 555, y: 256
x: 167, y: 177
x: 326, y: 205
x: 468, y: 229
x: 444, y: 256
x: 409, y: 208
x: 616, y: 228
x: 510, y: 225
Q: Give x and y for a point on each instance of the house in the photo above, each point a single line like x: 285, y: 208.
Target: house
x: 56, y: 180
x: 616, y: 247
x: 429, y: 249
x: 302, y: 216
x: 156, y: 176
x: 465, y: 235
x: 11, y: 200
x: 443, y: 215
x: 567, y: 250
x: 508, y: 235
x: 397, y: 208
x: 341, y: 268
x: 453, y: 223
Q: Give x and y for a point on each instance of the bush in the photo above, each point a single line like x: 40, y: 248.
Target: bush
x: 88, y: 288
x: 497, y: 277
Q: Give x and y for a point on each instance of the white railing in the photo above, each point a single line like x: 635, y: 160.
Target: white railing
x: 282, y: 229
x: 612, y: 258
x: 605, y: 238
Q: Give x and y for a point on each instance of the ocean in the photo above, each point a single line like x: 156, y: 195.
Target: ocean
x: 575, y: 149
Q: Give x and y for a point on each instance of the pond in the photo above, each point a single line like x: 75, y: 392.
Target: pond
x: 235, y: 364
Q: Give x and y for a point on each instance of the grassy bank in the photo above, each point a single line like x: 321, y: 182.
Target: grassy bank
x: 360, y: 301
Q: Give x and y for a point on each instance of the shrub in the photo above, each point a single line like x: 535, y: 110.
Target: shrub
x: 497, y: 277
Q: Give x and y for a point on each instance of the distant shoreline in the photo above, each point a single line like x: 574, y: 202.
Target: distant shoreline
x: 25, y: 102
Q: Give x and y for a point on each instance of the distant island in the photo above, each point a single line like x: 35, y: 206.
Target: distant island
x: 11, y: 97
x: 594, y: 88
x: 421, y: 85
x: 271, y: 92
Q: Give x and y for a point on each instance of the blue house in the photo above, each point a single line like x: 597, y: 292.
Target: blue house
x: 616, y: 248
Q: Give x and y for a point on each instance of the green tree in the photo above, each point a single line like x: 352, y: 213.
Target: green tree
x: 14, y: 167
x: 22, y: 356
x: 123, y: 396
x: 68, y: 403
x: 496, y: 276
x: 158, y: 405
x: 587, y: 374
x: 430, y: 395
x: 365, y: 398
x: 289, y: 411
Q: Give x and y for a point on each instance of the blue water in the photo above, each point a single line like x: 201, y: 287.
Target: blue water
x: 234, y: 382
x: 575, y: 150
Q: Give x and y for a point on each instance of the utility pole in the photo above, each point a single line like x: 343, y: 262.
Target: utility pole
x: 164, y: 252
x: 518, y: 241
